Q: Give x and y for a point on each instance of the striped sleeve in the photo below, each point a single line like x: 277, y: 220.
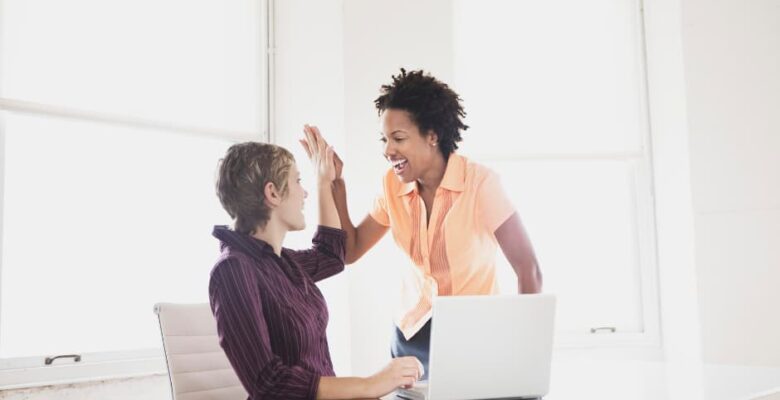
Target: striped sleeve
x: 326, y: 257
x: 243, y: 334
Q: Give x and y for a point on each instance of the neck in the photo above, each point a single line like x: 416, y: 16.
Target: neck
x: 430, y: 180
x: 273, y: 233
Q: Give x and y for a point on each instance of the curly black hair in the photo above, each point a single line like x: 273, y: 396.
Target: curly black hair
x: 431, y: 104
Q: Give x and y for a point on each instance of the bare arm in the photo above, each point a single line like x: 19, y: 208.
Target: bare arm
x: 322, y: 157
x: 332, y: 387
x: 400, y: 372
x: 328, y: 214
x: 518, y: 250
x: 361, y: 238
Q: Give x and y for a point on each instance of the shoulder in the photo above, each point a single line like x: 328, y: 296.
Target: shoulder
x: 232, y: 264
x: 477, y: 174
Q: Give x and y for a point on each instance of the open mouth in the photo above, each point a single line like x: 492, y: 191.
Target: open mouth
x: 399, y: 166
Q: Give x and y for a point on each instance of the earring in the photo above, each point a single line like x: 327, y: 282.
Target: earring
x: 433, y: 144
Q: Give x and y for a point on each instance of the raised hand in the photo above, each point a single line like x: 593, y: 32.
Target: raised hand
x: 312, y: 142
x: 320, y: 154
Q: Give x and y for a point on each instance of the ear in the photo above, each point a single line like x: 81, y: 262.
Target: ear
x: 272, y: 196
x: 432, y: 138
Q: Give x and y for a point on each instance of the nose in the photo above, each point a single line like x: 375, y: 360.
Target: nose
x: 388, y: 149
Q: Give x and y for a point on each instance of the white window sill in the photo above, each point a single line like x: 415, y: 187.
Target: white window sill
x: 30, y: 372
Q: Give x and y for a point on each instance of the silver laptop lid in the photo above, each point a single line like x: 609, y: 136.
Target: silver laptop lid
x: 491, y: 346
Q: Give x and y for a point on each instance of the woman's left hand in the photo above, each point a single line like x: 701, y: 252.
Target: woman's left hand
x: 323, y: 158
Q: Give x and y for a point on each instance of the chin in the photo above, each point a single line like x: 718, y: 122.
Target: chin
x: 294, y: 225
x: 405, y: 179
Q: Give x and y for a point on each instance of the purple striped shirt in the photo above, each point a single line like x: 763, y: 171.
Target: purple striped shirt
x: 271, y: 317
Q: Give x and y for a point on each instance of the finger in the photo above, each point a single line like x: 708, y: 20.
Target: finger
x: 407, y: 382
x: 306, y: 136
x: 310, y: 138
x: 409, y: 361
x: 414, y: 364
x: 314, y: 136
x: 321, y: 144
x: 329, y: 158
x: 305, y: 146
x: 315, y: 147
x: 411, y: 373
x: 319, y: 135
x: 309, y: 150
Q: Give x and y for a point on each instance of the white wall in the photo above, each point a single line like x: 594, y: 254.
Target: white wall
x: 674, y: 215
x: 309, y: 88
x: 732, y: 64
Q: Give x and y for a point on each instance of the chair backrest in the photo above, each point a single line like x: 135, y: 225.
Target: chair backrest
x: 197, y: 367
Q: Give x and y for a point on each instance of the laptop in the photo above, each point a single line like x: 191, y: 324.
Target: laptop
x: 488, y: 347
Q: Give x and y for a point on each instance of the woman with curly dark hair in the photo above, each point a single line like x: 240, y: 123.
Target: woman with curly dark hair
x: 447, y: 213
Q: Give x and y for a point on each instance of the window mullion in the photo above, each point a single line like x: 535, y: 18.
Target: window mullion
x: 47, y: 110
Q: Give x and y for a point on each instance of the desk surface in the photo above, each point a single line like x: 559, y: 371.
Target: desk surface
x: 604, y: 380
x: 654, y: 380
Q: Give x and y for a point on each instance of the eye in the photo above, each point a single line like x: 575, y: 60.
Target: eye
x: 398, y: 140
x: 383, y: 139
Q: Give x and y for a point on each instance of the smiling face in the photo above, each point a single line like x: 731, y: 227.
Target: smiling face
x: 409, y: 152
x: 290, y: 209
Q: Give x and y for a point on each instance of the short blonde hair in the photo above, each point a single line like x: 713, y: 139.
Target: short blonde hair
x: 243, y: 173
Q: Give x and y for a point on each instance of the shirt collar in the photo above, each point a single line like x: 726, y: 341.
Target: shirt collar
x: 248, y: 243
x: 454, y: 177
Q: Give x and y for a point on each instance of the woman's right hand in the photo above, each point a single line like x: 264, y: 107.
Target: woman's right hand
x: 313, y: 140
x: 401, y: 372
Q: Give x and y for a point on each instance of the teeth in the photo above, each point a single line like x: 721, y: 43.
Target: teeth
x: 398, y: 162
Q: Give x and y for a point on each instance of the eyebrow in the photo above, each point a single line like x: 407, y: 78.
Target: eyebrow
x: 392, y: 133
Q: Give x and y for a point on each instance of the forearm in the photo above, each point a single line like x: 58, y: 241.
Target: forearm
x: 340, y: 198
x: 344, y: 388
x: 529, y: 277
x: 517, y: 248
x: 329, y: 215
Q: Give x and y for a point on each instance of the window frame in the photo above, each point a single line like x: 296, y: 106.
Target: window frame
x: 645, y: 344
x: 26, y: 372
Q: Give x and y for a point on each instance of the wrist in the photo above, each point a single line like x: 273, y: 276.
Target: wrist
x: 324, y: 182
x: 338, y: 186
x: 367, y: 387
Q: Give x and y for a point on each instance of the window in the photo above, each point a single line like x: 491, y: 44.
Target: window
x: 556, y: 103
x: 114, y: 115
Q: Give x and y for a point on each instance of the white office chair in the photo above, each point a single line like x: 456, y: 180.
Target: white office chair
x: 197, y: 367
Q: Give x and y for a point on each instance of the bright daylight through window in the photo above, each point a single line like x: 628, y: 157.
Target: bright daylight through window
x: 110, y: 138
